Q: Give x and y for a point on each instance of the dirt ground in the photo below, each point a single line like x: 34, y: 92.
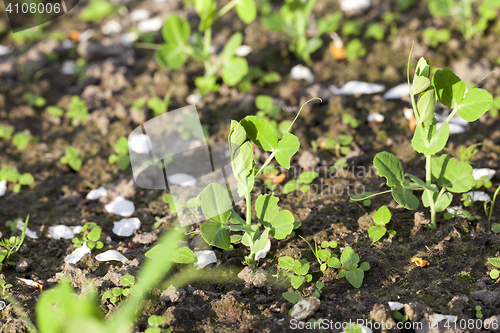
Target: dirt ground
x: 456, y: 279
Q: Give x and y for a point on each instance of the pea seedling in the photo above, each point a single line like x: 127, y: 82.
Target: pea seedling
x: 177, y: 48
x: 429, y: 139
x: 215, y: 199
x: 295, y: 270
x: 11, y: 246
x: 91, y: 237
x: 350, y: 261
x: 77, y: 111
x: 115, y: 294
x: 155, y: 322
x: 324, y: 256
x: 479, y: 313
x: 302, y: 183
x: 158, y: 105
x: 122, y: 158
x: 72, y: 158
x: 381, y: 218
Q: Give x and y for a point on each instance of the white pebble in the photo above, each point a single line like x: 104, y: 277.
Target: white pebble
x: 139, y: 144
x: 204, y: 258
x: 357, y: 88
x: 2, y: 305
x: 97, y: 193
x: 5, y: 49
x: 305, y: 308
x: 76, y: 229
x: 150, y: 25
x: 454, y: 128
x: 483, y: 174
x: 67, y: 44
x: 401, y: 90
x: 139, y: 15
x: 375, y: 117
x: 120, y: 206
x: 457, y: 210
x: 243, y: 50
x: 111, y: 255
x: 68, y: 67
x: 194, y: 99
x: 436, y: 318
x: 182, y: 179
x: 408, y: 113
x: 395, y: 305
x: 300, y: 72
x: 348, y: 5
x: 128, y: 38
x: 29, y: 233
x: 479, y: 196
x: 262, y: 253
x: 126, y: 227
x: 86, y: 35
x: 3, y: 187
x: 77, y: 254
x: 111, y: 27
x: 61, y: 231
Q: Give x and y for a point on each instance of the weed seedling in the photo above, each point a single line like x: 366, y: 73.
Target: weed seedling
x: 479, y: 313
x: 158, y: 105
x: 381, y: 218
x: 91, y: 237
x: 433, y: 37
x: 429, y: 139
x: 400, y: 317
x: 4, y: 285
x: 13, y: 176
x: 302, y: 183
x: 34, y: 99
x: 324, y: 256
x: 355, y: 50
x: 350, y: 261
x: 489, y: 211
x: 495, y: 273
x: 54, y: 111
x: 295, y: 270
x: 72, y: 158
x: 77, y: 111
x: 121, y: 158
x: 115, y: 294
x: 155, y: 322
x: 6, y: 131
x: 21, y: 140
x: 11, y: 246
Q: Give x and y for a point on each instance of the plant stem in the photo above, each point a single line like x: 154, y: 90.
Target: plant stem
x: 225, y: 9
x: 207, y: 40
x: 248, y: 199
x: 428, y: 173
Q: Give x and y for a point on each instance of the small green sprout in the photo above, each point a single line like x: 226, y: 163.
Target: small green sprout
x: 158, y: 105
x: 77, y: 110
x: 4, y: 285
x: 12, y: 224
x: 302, y: 183
x: 34, y: 99
x: 350, y: 120
x: 115, y: 294
x: 97, y: 10
x: 21, y: 140
x: 122, y: 157
x: 91, y: 237
x: 400, y: 317
x: 54, y: 111
x: 11, y: 246
x: 294, y: 297
x: 139, y: 103
x: 155, y: 322
x: 354, y: 274
x: 495, y: 273
x: 324, y: 256
x: 495, y: 227
x: 355, y: 50
x: 13, y: 176
x: 479, y: 313
x: 295, y: 270
x: 6, y: 131
x: 366, y: 202
x: 433, y: 37
x: 266, y: 106
x: 375, y: 31
x: 381, y: 218
x: 72, y: 158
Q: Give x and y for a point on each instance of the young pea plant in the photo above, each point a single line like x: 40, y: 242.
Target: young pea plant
x: 158, y: 105
x: 77, y: 111
x: 11, y: 246
x: 270, y: 111
x: 350, y: 261
x: 381, y: 218
x: 115, y: 294
x: 121, y: 158
x: 155, y: 322
x: 13, y: 176
x: 72, y: 158
x: 91, y: 237
x: 429, y: 139
x: 302, y: 183
x: 324, y: 256
x: 177, y: 48
x: 215, y: 200
x: 293, y: 18
x: 295, y: 270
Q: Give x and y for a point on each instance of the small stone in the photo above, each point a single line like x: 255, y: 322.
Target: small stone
x: 305, y: 308
x: 172, y: 294
x: 490, y: 299
x: 257, y: 277
x: 382, y: 313
x: 145, y: 238
x: 259, y: 299
x: 458, y: 303
x: 23, y: 265
x: 308, y: 160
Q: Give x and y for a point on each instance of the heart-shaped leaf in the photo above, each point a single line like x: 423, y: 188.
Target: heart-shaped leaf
x: 475, y: 103
x: 287, y: 147
x: 382, y: 216
x: 216, y: 235
x: 282, y: 224
x: 171, y: 56
x: 390, y: 167
x: 261, y: 132
x: 267, y: 208
x: 184, y: 255
x: 215, y: 203
x: 459, y: 176
x: 376, y: 232
x: 450, y: 89
x: 355, y: 277
x: 176, y: 30
x: 404, y: 197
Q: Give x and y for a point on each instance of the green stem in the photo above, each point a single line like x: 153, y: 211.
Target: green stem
x: 150, y: 46
x: 269, y: 159
x: 225, y: 9
x: 249, y: 208
x: 207, y: 40
x: 428, y: 173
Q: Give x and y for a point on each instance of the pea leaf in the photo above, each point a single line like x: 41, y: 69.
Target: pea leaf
x: 390, y: 167
x: 494, y: 261
x: 475, y: 103
x: 261, y: 132
x: 216, y: 235
x: 324, y: 255
x: 404, y: 197
x: 282, y: 224
x: 292, y: 297
x: 376, y: 232
x: 261, y: 242
x: 287, y: 147
x: 355, y: 277
x: 349, y: 258
x: 291, y: 186
x: 237, y: 135
x: 459, y: 176
x: 297, y: 281
x: 176, y: 30
x: 215, y: 203
x: 450, y: 89
x: 267, y: 208
x: 438, y: 140
x: 286, y: 263
x: 382, y: 216
x: 26, y: 179
x: 420, y: 138
x: 184, y: 255
x: 246, y: 10
x: 426, y: 106
x: 303, y: 269
x: 171, y: 56
x: 443, y: 202
x: 307, y: 177
x: 232, y: 44
x: 233, y: 70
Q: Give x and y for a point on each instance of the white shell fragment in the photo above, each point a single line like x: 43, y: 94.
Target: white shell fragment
x: 5, y: 50
x: 483, y: 174
x: 408, y: 113
x: 348, y: 5
x: 2, y: 305
x: 120, y: 206
x: 29, y: 282
x: 305, y: 308
x: 401, y: 90
x: 375, y: 117
x: 182, y: 179
x: 128, y: 38
x: 479, y: 196
x: 357, y: 88
x: 204, y: 258
x: 111, y: 27
x: 436, y: 318
x: 457, y: 209
x: 29, y: 233
x: 97, y: 193
x: 77, y: 229
x: 139, y: 15
x: 243, y: 50
x: 111, y: 255
x: 300, y: 72
x: 262, y: 253
x: 395, y: 305
x: 3, y: 187
x: 61, y: 231
x: 86, y: 35
x: 126, y: 227
x: 77, y: 254
x: 68, y: 67
x: 139, y: 144
x: 194, y: 99
x: 150, y: 25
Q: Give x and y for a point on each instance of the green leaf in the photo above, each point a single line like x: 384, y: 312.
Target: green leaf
x: 404, y: 197
x: 421, y: 137
x: 26, y: 179
x: 267, y: 208
x: 302, y: 270
x: 349, y: 258
x: 438, y: 140
x: 286, y: 263
x: 324, y: 255
x: 121, y: 146
x: 171, y: 56
x: 261, y: 132
x: 128, y: 280
x: 282, y: 224
x: 112, y: 159
x: 450, y: 89
x: 342, y: 273
x: 176, y: 30
x: 495, y: 227
x: 334, y: 262
x: 246, y: 10
x: 274, y: 21
x: 420, y: 182
x: 390, y: 167
x: 287, y: 147
x: 475, y: 103
x: 426, y: 106
x: 297, y: 281
x: 292, y: 297
x: 214, y: 234
x: 443, y: 202
x: 233, y: 70
x: 364, y: 266
x: 355, y: 277
x: 155, y: 320
x: 215, y: 203
x: 494, y: 274
x: 376, y: 232
x: 263, y: 102
x: 325, y: 244
x: 21, y: 140
x: 75, y: 164
x: 184, y: 255
x: 382, y: 216
x: 458, y: 176
x: 261, y: 242
x: 494, y: 261
x: 290, y: 186
x: 320, y: 285
x: 232, y: 44
x: 123, y: 162
x: 333, y: 244
x: 237, y: 134
x: 307, y: 177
